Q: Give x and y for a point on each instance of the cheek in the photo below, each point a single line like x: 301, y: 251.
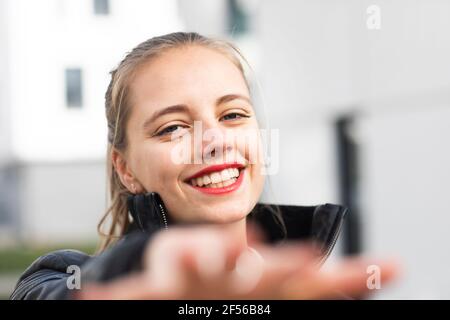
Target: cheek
x: 254, y: 153
x: 154, y: 167
x: 249, y: 144
x: 250, y: 148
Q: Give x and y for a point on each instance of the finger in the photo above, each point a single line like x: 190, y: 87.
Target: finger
x: 278, y: 264
x: 289, y: 256
x: 349, y: 278
x: 384, y: 272
x: 197, y: 282
x: 192, y: 263
x: 214, y: 250
x: 255, y: 234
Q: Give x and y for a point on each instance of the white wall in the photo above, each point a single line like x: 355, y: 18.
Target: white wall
x: 406, y: 183
x: 307, y: 77
x: 319, y: 60
x: 61, y: 151
x: 205, y: 16
x: 49, y: 36
x: 64, y: 202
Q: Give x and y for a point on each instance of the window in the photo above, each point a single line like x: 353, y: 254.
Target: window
x: 74, y: 96
x: 237, y: 18
x: 101, y: 7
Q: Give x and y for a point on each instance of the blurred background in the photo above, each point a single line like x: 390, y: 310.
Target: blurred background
x: 360, y: 91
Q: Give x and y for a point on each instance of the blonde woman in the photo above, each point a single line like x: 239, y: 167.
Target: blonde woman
x: 194, y: 228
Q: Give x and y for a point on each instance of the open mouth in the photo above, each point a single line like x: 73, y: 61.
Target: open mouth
x: 218, y: 179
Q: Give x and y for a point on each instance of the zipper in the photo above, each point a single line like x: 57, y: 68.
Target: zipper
x: 163, y: 215
x: 156, y: 204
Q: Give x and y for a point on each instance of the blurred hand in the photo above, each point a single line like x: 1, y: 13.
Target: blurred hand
x: 208, y: 263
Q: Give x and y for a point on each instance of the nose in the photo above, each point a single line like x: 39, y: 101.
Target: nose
x: 212, y: 142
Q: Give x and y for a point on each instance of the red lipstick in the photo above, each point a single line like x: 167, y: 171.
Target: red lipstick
x: 217, y: 168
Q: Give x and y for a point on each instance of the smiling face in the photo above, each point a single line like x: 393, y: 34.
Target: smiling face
x: 167, y: 95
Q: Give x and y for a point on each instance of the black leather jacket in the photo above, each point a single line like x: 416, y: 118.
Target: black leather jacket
x: 46, y: 278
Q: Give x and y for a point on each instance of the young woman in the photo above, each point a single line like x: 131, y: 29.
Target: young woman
x: 194, y: 228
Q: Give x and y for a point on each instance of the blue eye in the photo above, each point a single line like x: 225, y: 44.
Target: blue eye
x: 233, y: 116
x: 168, y: 130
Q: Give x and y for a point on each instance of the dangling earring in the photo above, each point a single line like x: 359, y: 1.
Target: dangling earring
x: 133, y: 188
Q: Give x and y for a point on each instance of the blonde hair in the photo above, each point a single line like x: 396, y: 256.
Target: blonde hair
x: 118, y: 112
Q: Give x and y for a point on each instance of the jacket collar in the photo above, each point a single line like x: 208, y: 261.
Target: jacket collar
x: 320, y: 224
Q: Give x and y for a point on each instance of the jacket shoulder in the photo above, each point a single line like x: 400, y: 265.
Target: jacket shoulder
x: 46, y: 277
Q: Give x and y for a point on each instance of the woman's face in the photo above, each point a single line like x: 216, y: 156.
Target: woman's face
x: 167, y: 95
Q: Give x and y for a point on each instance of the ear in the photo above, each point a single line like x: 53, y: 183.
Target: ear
x: 125, y: 175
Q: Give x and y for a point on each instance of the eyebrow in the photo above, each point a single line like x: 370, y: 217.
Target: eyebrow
x: 183, y: 108
x: 230, y: 97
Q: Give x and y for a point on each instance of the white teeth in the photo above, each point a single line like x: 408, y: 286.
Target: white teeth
x: 206, y: 179
x: 225, y: 174
x: 228, y: 182
x: 218, y: 179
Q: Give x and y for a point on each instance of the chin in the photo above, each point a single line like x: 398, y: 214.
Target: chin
x: 227, y: 213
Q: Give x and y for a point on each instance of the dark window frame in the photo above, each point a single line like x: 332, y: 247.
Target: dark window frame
x: 102, y: 7
x: 74, y: 87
